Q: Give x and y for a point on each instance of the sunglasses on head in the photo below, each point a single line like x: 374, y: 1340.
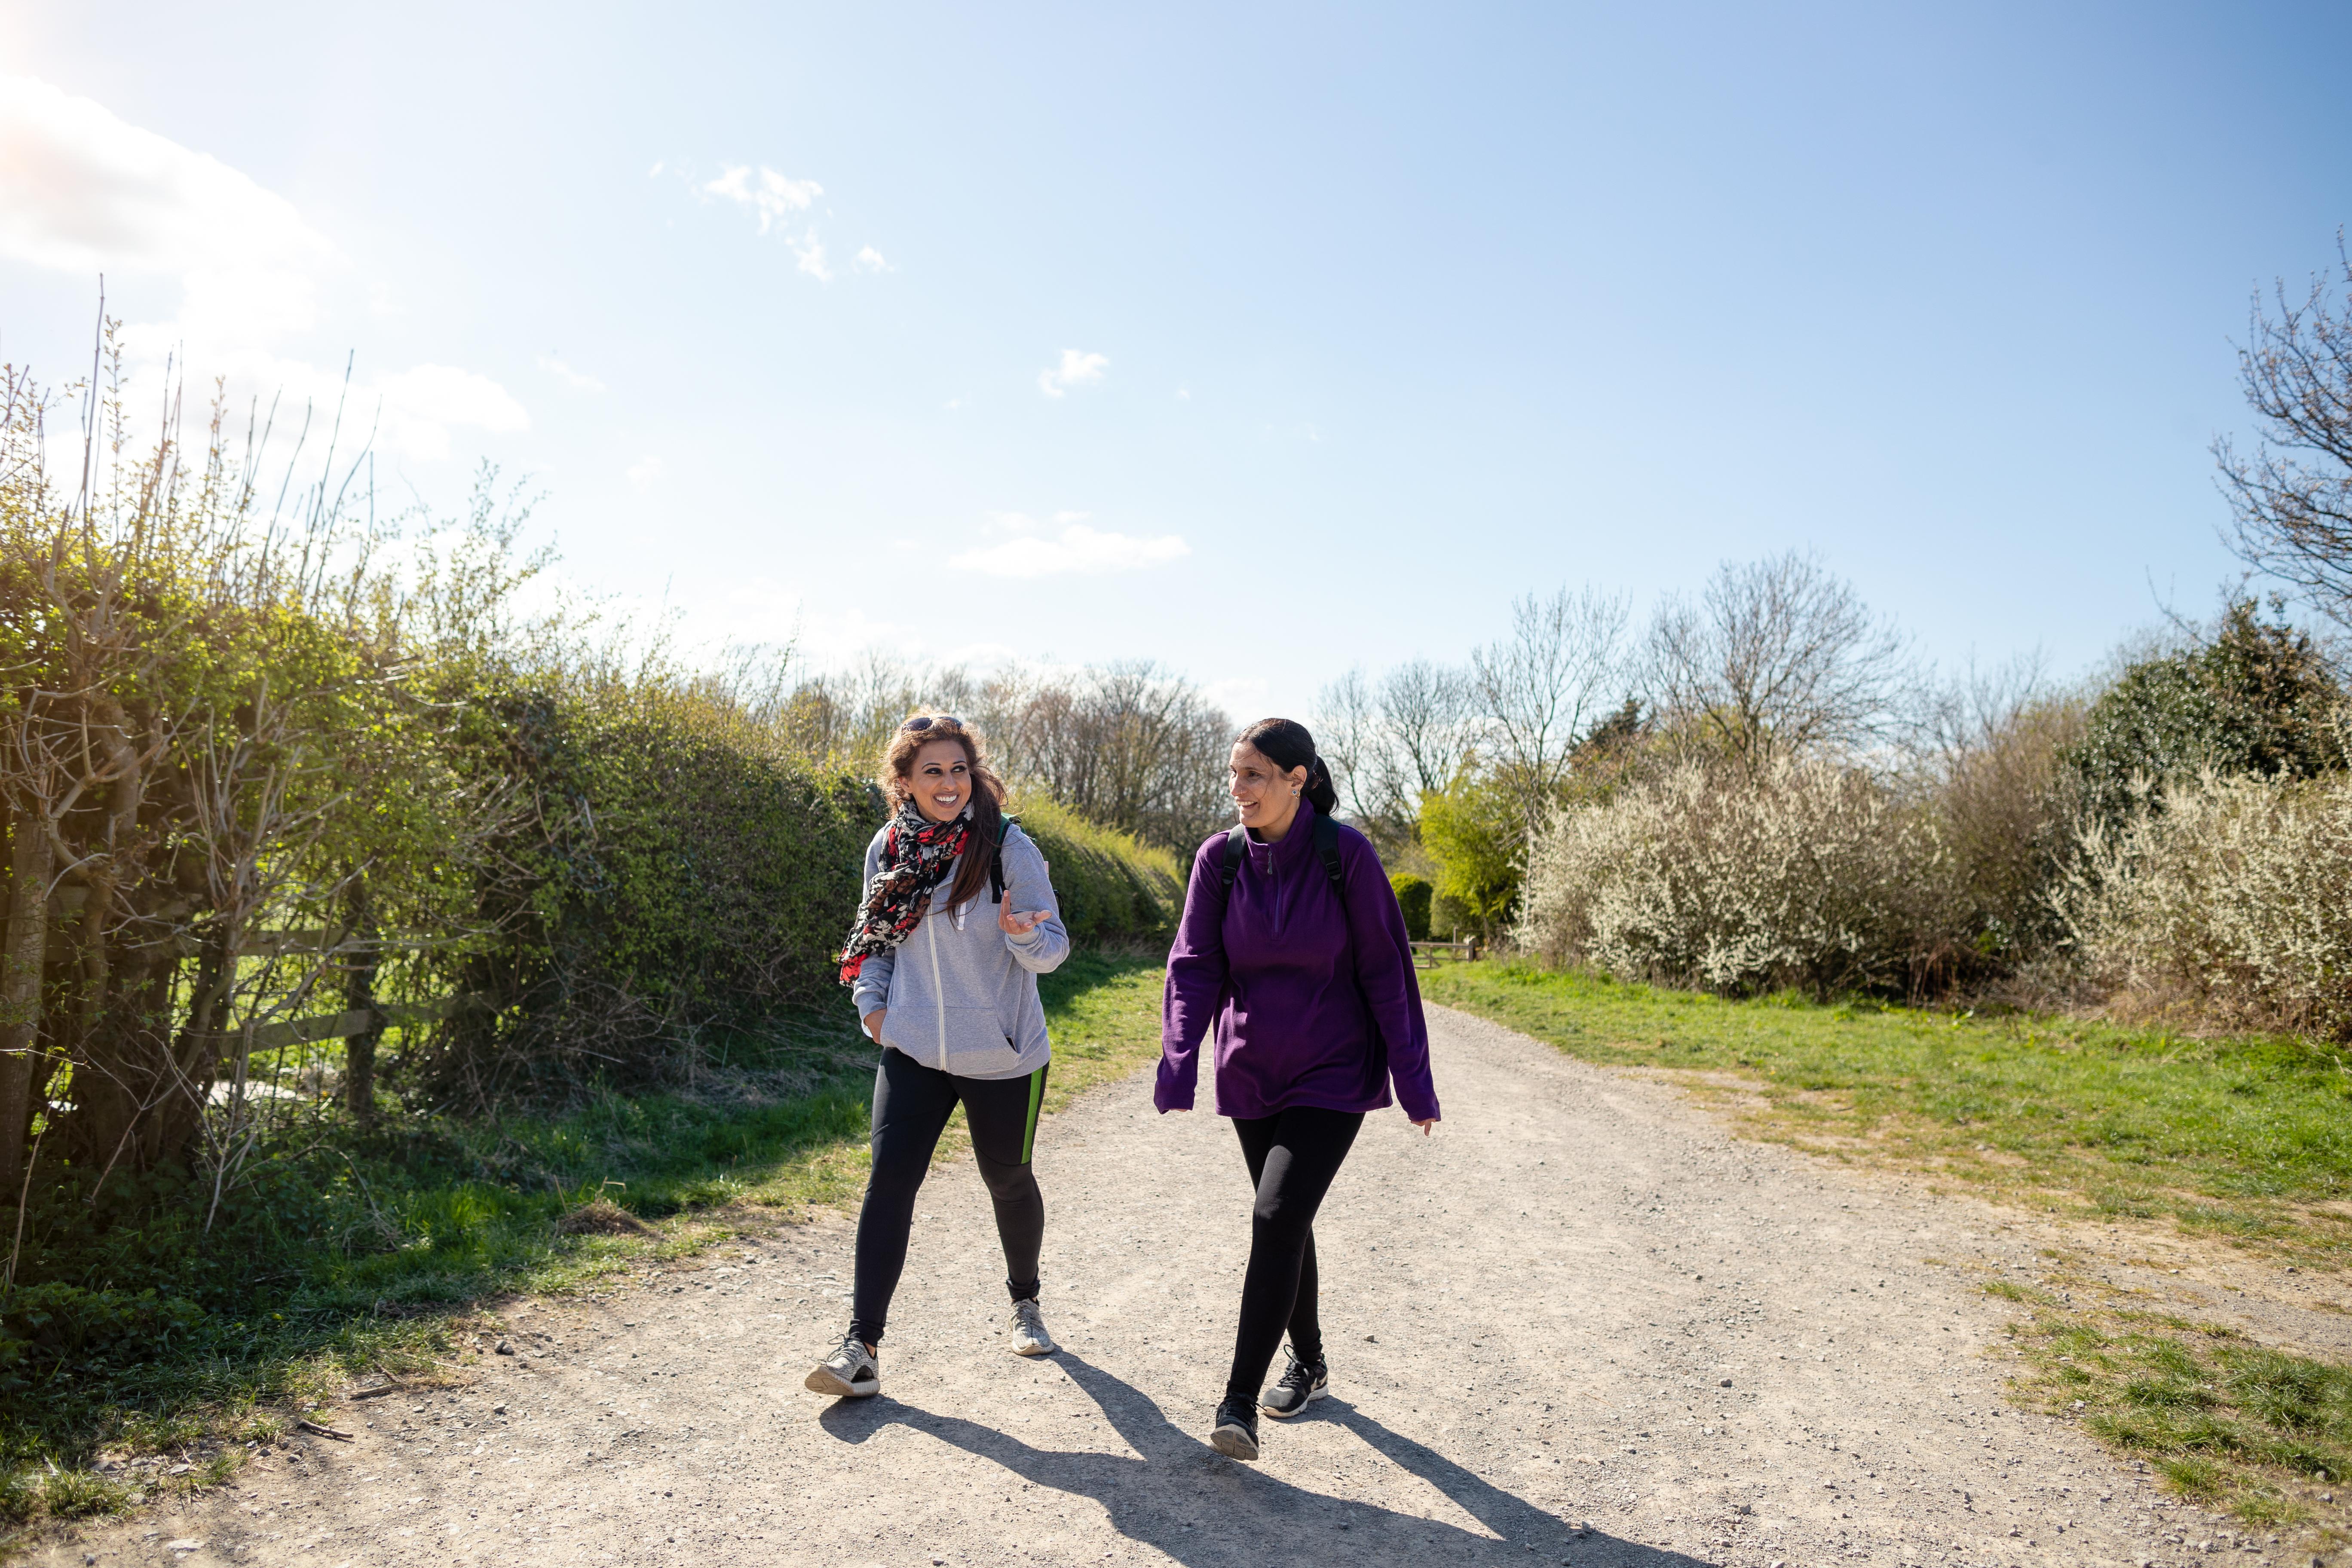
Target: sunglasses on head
x: 922, y: 721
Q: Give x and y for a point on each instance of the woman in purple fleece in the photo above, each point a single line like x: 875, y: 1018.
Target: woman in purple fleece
x: 1293, y: 952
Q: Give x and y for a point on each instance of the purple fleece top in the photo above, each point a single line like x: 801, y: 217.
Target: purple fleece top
x: 1311, y: 994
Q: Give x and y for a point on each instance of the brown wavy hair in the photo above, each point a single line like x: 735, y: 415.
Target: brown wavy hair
x: 898, y: 781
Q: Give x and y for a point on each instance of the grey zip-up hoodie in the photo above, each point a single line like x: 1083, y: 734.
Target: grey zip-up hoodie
x: 961, y: 994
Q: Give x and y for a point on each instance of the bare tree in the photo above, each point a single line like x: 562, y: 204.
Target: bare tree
x: 1540, y: 688
x: 2292, y: 500
x: 1393, y: 740
x: 1426, y: 710
x: 1346, y: 720
x: 846, y: 717
x: 1778, y: 655
x: 1129, y: 745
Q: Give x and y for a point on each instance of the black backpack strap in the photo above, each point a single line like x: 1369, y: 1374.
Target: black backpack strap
x: 1327, y: 849
x: 996, y: 860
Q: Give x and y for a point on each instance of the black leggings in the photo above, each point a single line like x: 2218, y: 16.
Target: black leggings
x: 1293, y: 1156
x: 911, y: 1106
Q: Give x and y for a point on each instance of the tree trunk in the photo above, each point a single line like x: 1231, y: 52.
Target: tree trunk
x: 30, y: 866
x: 358, y: 996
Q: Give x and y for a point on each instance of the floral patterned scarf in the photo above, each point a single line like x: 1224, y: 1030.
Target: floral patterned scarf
x: 916, y: 858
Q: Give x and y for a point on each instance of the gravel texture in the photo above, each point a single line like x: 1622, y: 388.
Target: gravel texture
x: 1582, y: 1325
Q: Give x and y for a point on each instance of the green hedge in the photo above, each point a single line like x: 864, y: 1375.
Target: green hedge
x: 674, y: 870
x: 1112, y: 887
x: 1412, y: 896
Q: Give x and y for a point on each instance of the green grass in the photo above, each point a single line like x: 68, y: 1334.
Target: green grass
x: 2231, y: 1423
x: 349, y: 1253
x: 2238, y: 1139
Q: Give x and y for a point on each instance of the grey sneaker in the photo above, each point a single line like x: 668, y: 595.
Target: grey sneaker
x: 1299, y: 1385
x: 849, y: 1372
x: 1027, y: 1326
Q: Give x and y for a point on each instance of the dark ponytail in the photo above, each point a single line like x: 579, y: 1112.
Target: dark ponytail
x: 1286, y: 744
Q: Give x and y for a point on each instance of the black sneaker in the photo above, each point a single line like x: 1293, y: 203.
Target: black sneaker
x: 1236, y: 1432
x: 1298, y: 1386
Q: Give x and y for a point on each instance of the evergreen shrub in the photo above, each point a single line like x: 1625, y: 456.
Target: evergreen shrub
x: 2257, y: 697
x: 1412, y: 896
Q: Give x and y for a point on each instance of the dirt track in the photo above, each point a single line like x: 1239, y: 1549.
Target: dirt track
x: 1583, y: 1303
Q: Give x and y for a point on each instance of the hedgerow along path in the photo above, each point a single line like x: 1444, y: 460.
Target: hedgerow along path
x: 1583, y: 1324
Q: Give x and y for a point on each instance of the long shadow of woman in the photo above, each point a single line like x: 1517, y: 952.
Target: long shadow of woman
x: 1183, y: 1499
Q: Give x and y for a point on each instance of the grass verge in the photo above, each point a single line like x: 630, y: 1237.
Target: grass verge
x: 154, y: 1353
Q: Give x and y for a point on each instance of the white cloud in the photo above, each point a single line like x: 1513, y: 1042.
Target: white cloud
x: 578, y: 380
x: 1183, y: 395
x: 645, y: 470
x: 1076, y: 550
x: 420, y: 403
x: 83, y: 191
x: 773, y: 195
x: 870, y: 260
x: 812, y: 254
x: 1075, y: 369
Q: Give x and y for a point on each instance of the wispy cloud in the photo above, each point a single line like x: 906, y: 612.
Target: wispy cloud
x: 785, y: 206
x: 1042, y: 549
x: 1076, y: 369
x: 644, y: 471
x: 578, y: 380
x: 774, y: 197
x: 83, y: 191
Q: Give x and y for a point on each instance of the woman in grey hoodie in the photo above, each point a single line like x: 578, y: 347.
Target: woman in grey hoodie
x: 957, y: 921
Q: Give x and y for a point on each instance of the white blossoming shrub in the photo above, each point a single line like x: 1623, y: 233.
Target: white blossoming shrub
x: 2236, y: 894
x: 1808, y: 874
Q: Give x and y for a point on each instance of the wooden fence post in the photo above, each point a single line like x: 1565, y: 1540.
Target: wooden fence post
x: 30, y: 864
x: 358, y: 996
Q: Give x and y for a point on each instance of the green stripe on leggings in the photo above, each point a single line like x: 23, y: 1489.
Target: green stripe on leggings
x: 1036, y: 1099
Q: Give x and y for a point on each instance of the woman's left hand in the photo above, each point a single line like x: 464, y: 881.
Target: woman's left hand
x: 1425, y: 1126
x: 1012, y: 924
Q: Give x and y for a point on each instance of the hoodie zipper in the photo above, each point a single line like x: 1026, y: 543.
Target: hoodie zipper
x: 939, y: 988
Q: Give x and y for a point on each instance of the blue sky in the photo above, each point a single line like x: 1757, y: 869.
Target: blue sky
x: 1260, y: 341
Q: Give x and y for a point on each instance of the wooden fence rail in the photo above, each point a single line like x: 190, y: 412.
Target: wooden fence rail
x: 1428, y: 954
x: 342, y: 1026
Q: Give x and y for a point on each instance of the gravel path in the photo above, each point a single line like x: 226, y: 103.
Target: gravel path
x: 1582, y: 1325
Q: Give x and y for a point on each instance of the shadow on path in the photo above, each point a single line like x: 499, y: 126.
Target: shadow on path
x: 1184, y: 1499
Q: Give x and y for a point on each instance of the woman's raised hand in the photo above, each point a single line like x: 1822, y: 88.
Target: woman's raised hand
x: 1012, y: 924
